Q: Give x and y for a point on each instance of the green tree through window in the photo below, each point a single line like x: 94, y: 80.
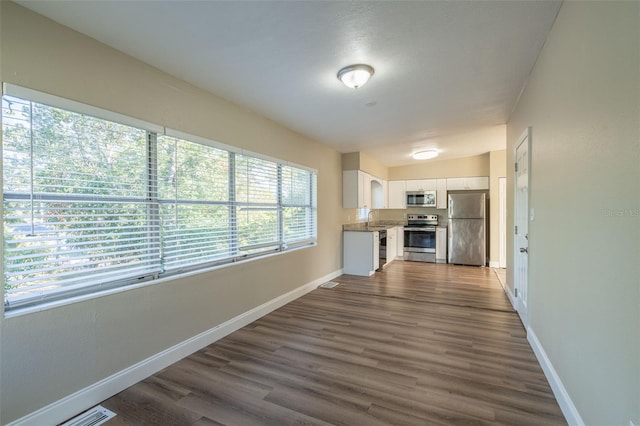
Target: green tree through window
x: 91, y: 204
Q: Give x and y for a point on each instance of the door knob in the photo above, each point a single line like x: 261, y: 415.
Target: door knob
x: 524, y: 250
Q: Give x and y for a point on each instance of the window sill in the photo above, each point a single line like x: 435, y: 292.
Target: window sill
x: 78, y: 299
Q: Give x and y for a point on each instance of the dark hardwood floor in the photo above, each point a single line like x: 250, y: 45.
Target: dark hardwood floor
x: 416, y: 344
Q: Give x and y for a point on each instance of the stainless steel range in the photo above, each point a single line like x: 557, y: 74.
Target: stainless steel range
x: 420, y: 237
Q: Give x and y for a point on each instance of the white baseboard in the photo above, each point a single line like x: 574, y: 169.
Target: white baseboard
x: 559, y: 391
x: 86, y: 398
x: 510, y: 295
x: 508, y: 291
x: 494, y: 264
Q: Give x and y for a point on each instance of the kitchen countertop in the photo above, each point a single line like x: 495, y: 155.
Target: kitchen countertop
x: 377, y: 226
x: 371, y: 227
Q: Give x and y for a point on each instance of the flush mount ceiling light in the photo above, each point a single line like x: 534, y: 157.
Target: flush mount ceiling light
x: 425, y: 155
x: 355, y: 76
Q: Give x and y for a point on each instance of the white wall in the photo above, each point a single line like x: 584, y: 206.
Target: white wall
x: 48, y: 355
x: 583, y: 103
x: 498, y: 167
x: 477, y: 165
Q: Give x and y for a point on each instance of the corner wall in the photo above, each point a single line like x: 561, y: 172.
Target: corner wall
x: 583, y: 104
x: 50, y: 354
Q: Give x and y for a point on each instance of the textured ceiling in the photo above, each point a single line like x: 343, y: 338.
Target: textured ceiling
x: 447, y: 73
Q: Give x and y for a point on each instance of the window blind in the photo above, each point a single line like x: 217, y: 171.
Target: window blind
x: 298, y: 203
x: 194, y: 195
x: 256, y: 205
x: 75, y: 207
x: 92, y: 204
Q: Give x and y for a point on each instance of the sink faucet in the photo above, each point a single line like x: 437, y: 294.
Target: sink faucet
x: 369, y: 216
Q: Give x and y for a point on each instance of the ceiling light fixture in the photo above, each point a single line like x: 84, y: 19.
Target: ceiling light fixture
x: 355, y: 76
x: 425, y: 155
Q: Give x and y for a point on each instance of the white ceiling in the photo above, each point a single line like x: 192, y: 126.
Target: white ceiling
x: 447, y: 73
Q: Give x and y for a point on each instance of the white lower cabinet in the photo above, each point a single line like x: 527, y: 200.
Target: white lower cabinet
x: 400, y: 243
x: 392, y: 245
x: 441, y: 245
x: 361, y: 252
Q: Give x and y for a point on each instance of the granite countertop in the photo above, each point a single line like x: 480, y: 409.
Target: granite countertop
x: 378, y: 226
x: 370, y: 227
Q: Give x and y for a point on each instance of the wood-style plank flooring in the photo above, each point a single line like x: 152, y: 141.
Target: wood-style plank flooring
x: 416, y: 344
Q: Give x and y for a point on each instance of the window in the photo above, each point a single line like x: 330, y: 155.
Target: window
x: 92, y: 204
x: 193, y: 191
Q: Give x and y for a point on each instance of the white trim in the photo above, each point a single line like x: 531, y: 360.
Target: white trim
x: 502, y: 222
x: 178, y: 134
x: 79, y: 107
x: 569, y: 410
x: 83, y: 399
x: 76, y: 299
x: 494, y: 264
x: 510, y: 295
x: 522, y: 309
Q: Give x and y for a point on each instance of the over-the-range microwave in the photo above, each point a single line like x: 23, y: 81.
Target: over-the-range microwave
x: 421, y: 198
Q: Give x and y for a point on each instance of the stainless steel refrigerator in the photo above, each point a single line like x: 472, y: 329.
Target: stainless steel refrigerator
x: 467, y: 229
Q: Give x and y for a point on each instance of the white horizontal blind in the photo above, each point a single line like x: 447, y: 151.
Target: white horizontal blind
x: 91, y: 204
x: 299, y: 206
x: 193, y: 188
x: 256, y: 205
x: 75, y: 205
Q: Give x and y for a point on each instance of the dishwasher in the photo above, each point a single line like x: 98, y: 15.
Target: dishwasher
x: 383, y: 248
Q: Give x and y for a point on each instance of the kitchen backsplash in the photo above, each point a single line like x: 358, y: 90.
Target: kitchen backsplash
x: 396, y: 215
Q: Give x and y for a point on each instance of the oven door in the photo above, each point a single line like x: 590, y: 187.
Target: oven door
x: 420, y: 244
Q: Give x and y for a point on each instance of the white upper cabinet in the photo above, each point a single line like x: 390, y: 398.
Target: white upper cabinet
x: 441, y: 194
x: 467, y: 183
x: 364, y: 190
x: 385, y: 189
x: 397, y: 194
x: 421, y: 184
x: 360, y: 190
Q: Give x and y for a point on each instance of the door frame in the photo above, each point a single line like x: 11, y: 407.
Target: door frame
x: 521, y: 307
x: 502, y: 231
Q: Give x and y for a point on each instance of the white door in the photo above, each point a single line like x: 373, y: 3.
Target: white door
x: 521, y: 235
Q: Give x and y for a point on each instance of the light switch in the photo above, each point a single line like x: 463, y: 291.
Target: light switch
x: 532, y: 215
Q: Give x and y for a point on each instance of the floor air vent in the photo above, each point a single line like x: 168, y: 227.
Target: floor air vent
x: 329, y: 284
x: 93, y: 417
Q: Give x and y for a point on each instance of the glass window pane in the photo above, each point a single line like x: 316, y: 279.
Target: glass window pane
x: 257, y: 230
x: 256, y: 180
x: 75, y: 208
x: 193, y: 234
x: 191, y: 171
